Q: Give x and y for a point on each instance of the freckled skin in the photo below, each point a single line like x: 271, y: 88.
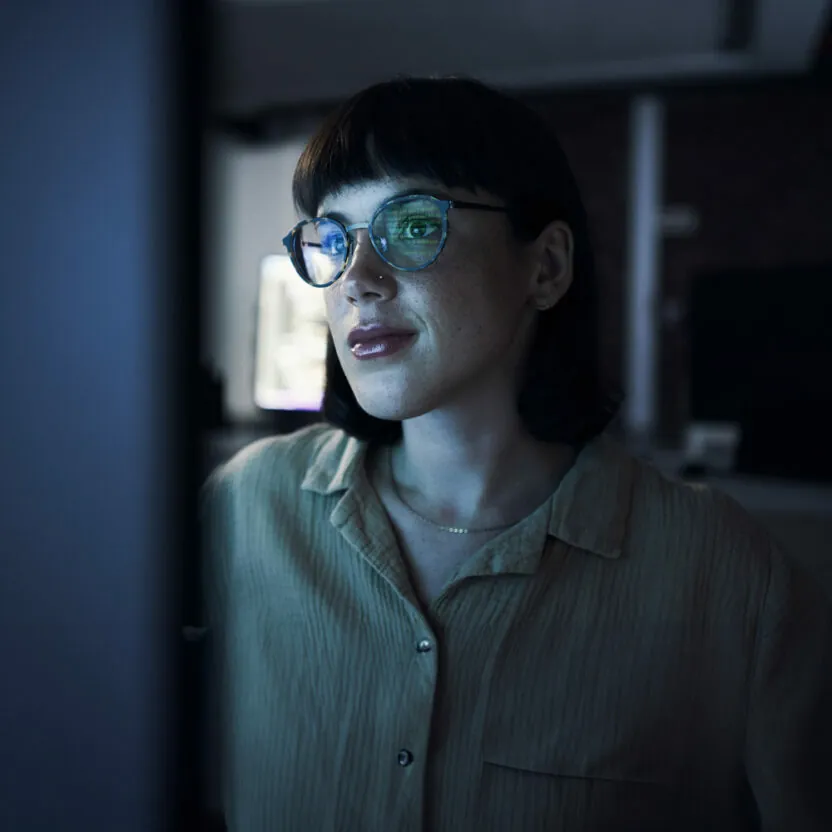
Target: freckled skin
x: 473, y: 308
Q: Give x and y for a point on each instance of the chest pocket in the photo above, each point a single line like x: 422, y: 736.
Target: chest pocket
x: 547, y: 779
x: 520, y: 798
x: 580, y: 750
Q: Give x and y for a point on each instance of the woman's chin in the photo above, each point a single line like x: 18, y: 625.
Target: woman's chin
x: 394, y: 408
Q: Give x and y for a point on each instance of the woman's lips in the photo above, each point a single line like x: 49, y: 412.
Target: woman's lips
x: 382, y: 346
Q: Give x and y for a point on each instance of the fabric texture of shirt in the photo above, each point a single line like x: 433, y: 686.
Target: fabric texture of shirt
x: 636, y: 654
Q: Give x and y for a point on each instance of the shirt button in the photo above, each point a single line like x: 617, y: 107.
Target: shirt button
x: 424, y: 646
x: 405, y: 758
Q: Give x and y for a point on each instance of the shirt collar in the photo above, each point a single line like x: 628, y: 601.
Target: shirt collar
x: 335, y: 464
x: 589, y: 510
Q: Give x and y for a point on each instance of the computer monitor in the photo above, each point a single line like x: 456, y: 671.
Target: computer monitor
x: 291, y: 340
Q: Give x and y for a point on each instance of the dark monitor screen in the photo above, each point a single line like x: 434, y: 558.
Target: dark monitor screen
x: 761, y: 356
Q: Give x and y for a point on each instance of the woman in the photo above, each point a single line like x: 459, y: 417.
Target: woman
x: 460, y: 605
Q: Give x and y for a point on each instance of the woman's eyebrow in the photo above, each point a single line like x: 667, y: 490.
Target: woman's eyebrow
x: 423, y: 191
x: 437, y: 192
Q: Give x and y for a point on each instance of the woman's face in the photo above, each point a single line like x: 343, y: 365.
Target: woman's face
x: 470, y: 313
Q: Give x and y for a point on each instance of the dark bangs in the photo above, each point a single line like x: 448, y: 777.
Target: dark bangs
x: 455, y: 131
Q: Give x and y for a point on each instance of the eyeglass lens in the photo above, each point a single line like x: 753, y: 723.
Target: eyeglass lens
x: 407, y: 233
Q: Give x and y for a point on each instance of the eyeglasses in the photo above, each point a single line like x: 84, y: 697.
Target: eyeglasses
x: 407, y: 232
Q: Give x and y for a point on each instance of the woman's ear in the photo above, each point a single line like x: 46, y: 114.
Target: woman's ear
x: 554, y: 254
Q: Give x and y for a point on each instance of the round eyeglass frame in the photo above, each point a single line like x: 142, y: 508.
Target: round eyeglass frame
x: 289, y: 241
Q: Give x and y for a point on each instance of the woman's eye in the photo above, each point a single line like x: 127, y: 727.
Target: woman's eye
x: 418, y: 228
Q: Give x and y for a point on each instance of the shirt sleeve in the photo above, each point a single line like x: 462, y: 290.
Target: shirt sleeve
x: 789, y: 727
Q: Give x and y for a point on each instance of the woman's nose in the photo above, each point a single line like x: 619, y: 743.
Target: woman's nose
x: 367, y: 275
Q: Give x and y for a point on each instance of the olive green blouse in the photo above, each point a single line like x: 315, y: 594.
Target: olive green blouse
x: 636, y: 654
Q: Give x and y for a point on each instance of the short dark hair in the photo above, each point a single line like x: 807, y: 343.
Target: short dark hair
x: 462, y: 133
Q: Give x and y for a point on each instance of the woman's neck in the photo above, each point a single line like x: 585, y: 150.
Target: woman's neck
x: 476, y: 471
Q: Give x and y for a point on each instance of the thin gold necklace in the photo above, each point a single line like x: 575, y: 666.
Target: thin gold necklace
x: 451, y: 529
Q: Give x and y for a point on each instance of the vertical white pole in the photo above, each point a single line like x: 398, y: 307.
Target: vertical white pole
x: 645, y: 236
